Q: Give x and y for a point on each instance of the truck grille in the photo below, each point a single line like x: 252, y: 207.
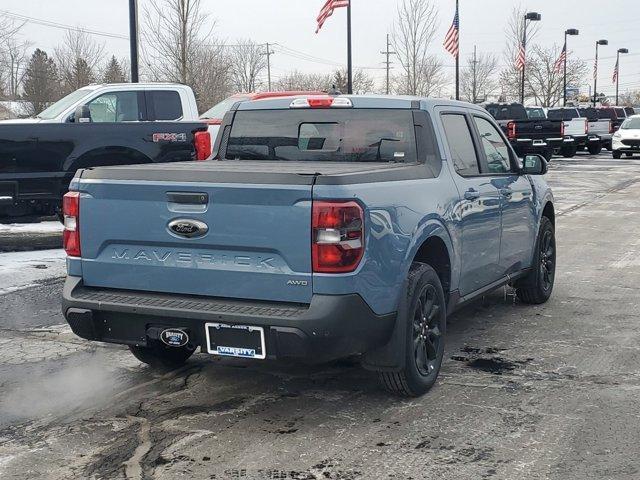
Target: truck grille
x: 631, y: 142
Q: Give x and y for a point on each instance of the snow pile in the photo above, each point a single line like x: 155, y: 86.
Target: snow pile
x: 20, y: 270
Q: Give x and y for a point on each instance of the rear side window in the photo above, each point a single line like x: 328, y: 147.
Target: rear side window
x: 463, y: 152
x: 164, y: 105
x: 333, y: 135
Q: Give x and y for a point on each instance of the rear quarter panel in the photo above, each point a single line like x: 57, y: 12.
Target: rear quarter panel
x: 399, y: 217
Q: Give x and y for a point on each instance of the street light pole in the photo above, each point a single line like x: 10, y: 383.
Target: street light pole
x: 533, y: 17
x: 570, y: 31
x: 595, y: 71
x: 133, y: 39
x: 620, y: 50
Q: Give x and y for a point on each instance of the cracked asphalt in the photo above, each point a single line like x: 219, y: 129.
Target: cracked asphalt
x: 543, y: 392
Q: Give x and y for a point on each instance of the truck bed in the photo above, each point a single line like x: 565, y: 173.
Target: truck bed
x: 260, y: 172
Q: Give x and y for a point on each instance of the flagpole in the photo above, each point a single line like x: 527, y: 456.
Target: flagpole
x: 458, y: 58
x: 349, y: 60
x: 564, y: 81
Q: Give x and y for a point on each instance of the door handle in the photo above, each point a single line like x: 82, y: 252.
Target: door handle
x: 506, y: 192
x: 471, y: 194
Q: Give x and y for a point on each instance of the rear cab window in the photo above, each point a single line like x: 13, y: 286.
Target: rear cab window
x: 334, y: 135
x: 164, y: 105
x: 563, y: 114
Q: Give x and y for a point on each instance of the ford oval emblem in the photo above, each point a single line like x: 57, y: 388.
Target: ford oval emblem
x: 188, y: 228
x: 174, y: 337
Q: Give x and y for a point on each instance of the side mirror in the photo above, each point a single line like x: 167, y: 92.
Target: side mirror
x: 82, y: 114
x: 534, y: 164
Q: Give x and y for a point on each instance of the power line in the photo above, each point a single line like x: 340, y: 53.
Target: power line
x: 62, y: 26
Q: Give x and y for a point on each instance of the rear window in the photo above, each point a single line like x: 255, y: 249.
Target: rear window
x: 606, y: 113
x: 589, y: 113
x: 562, y: 114
x: 333, y: 135
x: 165, y: 104
x: 536, y: 113
x: 620, y: 112
x: 507, y: 112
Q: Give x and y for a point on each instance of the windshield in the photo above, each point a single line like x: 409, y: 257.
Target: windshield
x: 218, y: 111
x: 61, y: 105
x: 366, y: 135
x: 632, y: 123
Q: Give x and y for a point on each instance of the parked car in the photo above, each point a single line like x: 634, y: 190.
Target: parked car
x: 575, y: 127
x: 115, y: 124
x: 213, y: 116
x: 627, y: 139
x: 527, y: 135
x: 328, y: 227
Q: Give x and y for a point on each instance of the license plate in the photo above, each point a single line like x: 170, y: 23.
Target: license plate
x: 242, y: 341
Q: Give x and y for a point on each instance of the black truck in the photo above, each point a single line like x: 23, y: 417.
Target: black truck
x: 38, y: 160
x: 528, y: 135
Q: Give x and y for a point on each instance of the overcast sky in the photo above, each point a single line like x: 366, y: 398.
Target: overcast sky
x: 290, y: 24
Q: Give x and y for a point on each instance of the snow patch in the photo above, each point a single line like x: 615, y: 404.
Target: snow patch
x: 42, y: 227
x: 20, y: 270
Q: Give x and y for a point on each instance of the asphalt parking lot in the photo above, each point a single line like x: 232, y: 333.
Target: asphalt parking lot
x: 526, y: 392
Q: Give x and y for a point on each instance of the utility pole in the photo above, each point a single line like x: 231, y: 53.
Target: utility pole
x: 133, y: 39
x: 474, y: 77
x: 388, y: 63
x: 268, y: 53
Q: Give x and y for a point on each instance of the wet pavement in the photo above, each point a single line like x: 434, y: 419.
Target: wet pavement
x: 525, y: 392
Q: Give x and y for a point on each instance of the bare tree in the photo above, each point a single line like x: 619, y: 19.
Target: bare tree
x: 362, y: 82
x: 211, y: 73
x: 9, y: 30
x: 478, y: 79
x: 13, y: 60
x: 248, y: 62
x: 173, y: 35
x: 414, y: 31
x: 544, y: 83
x: 297, y: 80
x: 510, y: 76
x: 630, y: 98
x: 78, y: 59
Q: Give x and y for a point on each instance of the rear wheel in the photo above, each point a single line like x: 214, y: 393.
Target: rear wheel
x: 537, y: 286
x: 426, y: 319
x: 161, y: 356
x: 616, y: 154
x: 568, y: 152
x: 595, y: 149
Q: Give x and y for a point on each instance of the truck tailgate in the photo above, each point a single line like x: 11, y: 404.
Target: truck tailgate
x: 257, y: 246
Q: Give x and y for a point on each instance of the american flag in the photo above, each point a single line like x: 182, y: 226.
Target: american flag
x: 559, y: 65
x: 615, y: 72
x: 328, y: 9
x: 521, y: 58
x: 452, y: 40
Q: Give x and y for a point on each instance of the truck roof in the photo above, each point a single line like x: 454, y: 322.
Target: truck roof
x: 363, y: 101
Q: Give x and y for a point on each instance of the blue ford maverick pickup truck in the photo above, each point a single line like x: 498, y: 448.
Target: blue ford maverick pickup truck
x: 328, y: 226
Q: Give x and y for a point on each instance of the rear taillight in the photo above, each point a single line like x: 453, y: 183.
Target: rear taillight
x: 511, y: 130
x: 71, y: 233
x: 562, y: 125
x: 586, y: 126
x: 611, y: 129
x: 202, y: 142
x: 337, y: 236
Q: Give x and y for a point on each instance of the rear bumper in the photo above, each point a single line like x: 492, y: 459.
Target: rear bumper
x: 331, y: 327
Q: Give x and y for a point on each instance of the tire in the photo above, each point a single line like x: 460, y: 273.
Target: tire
x: 568, y: 152
x: 426, y: 320
x: 158, y: 355
x: 537, y: 286
x: 595, y: 149
x: 616, y: 154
